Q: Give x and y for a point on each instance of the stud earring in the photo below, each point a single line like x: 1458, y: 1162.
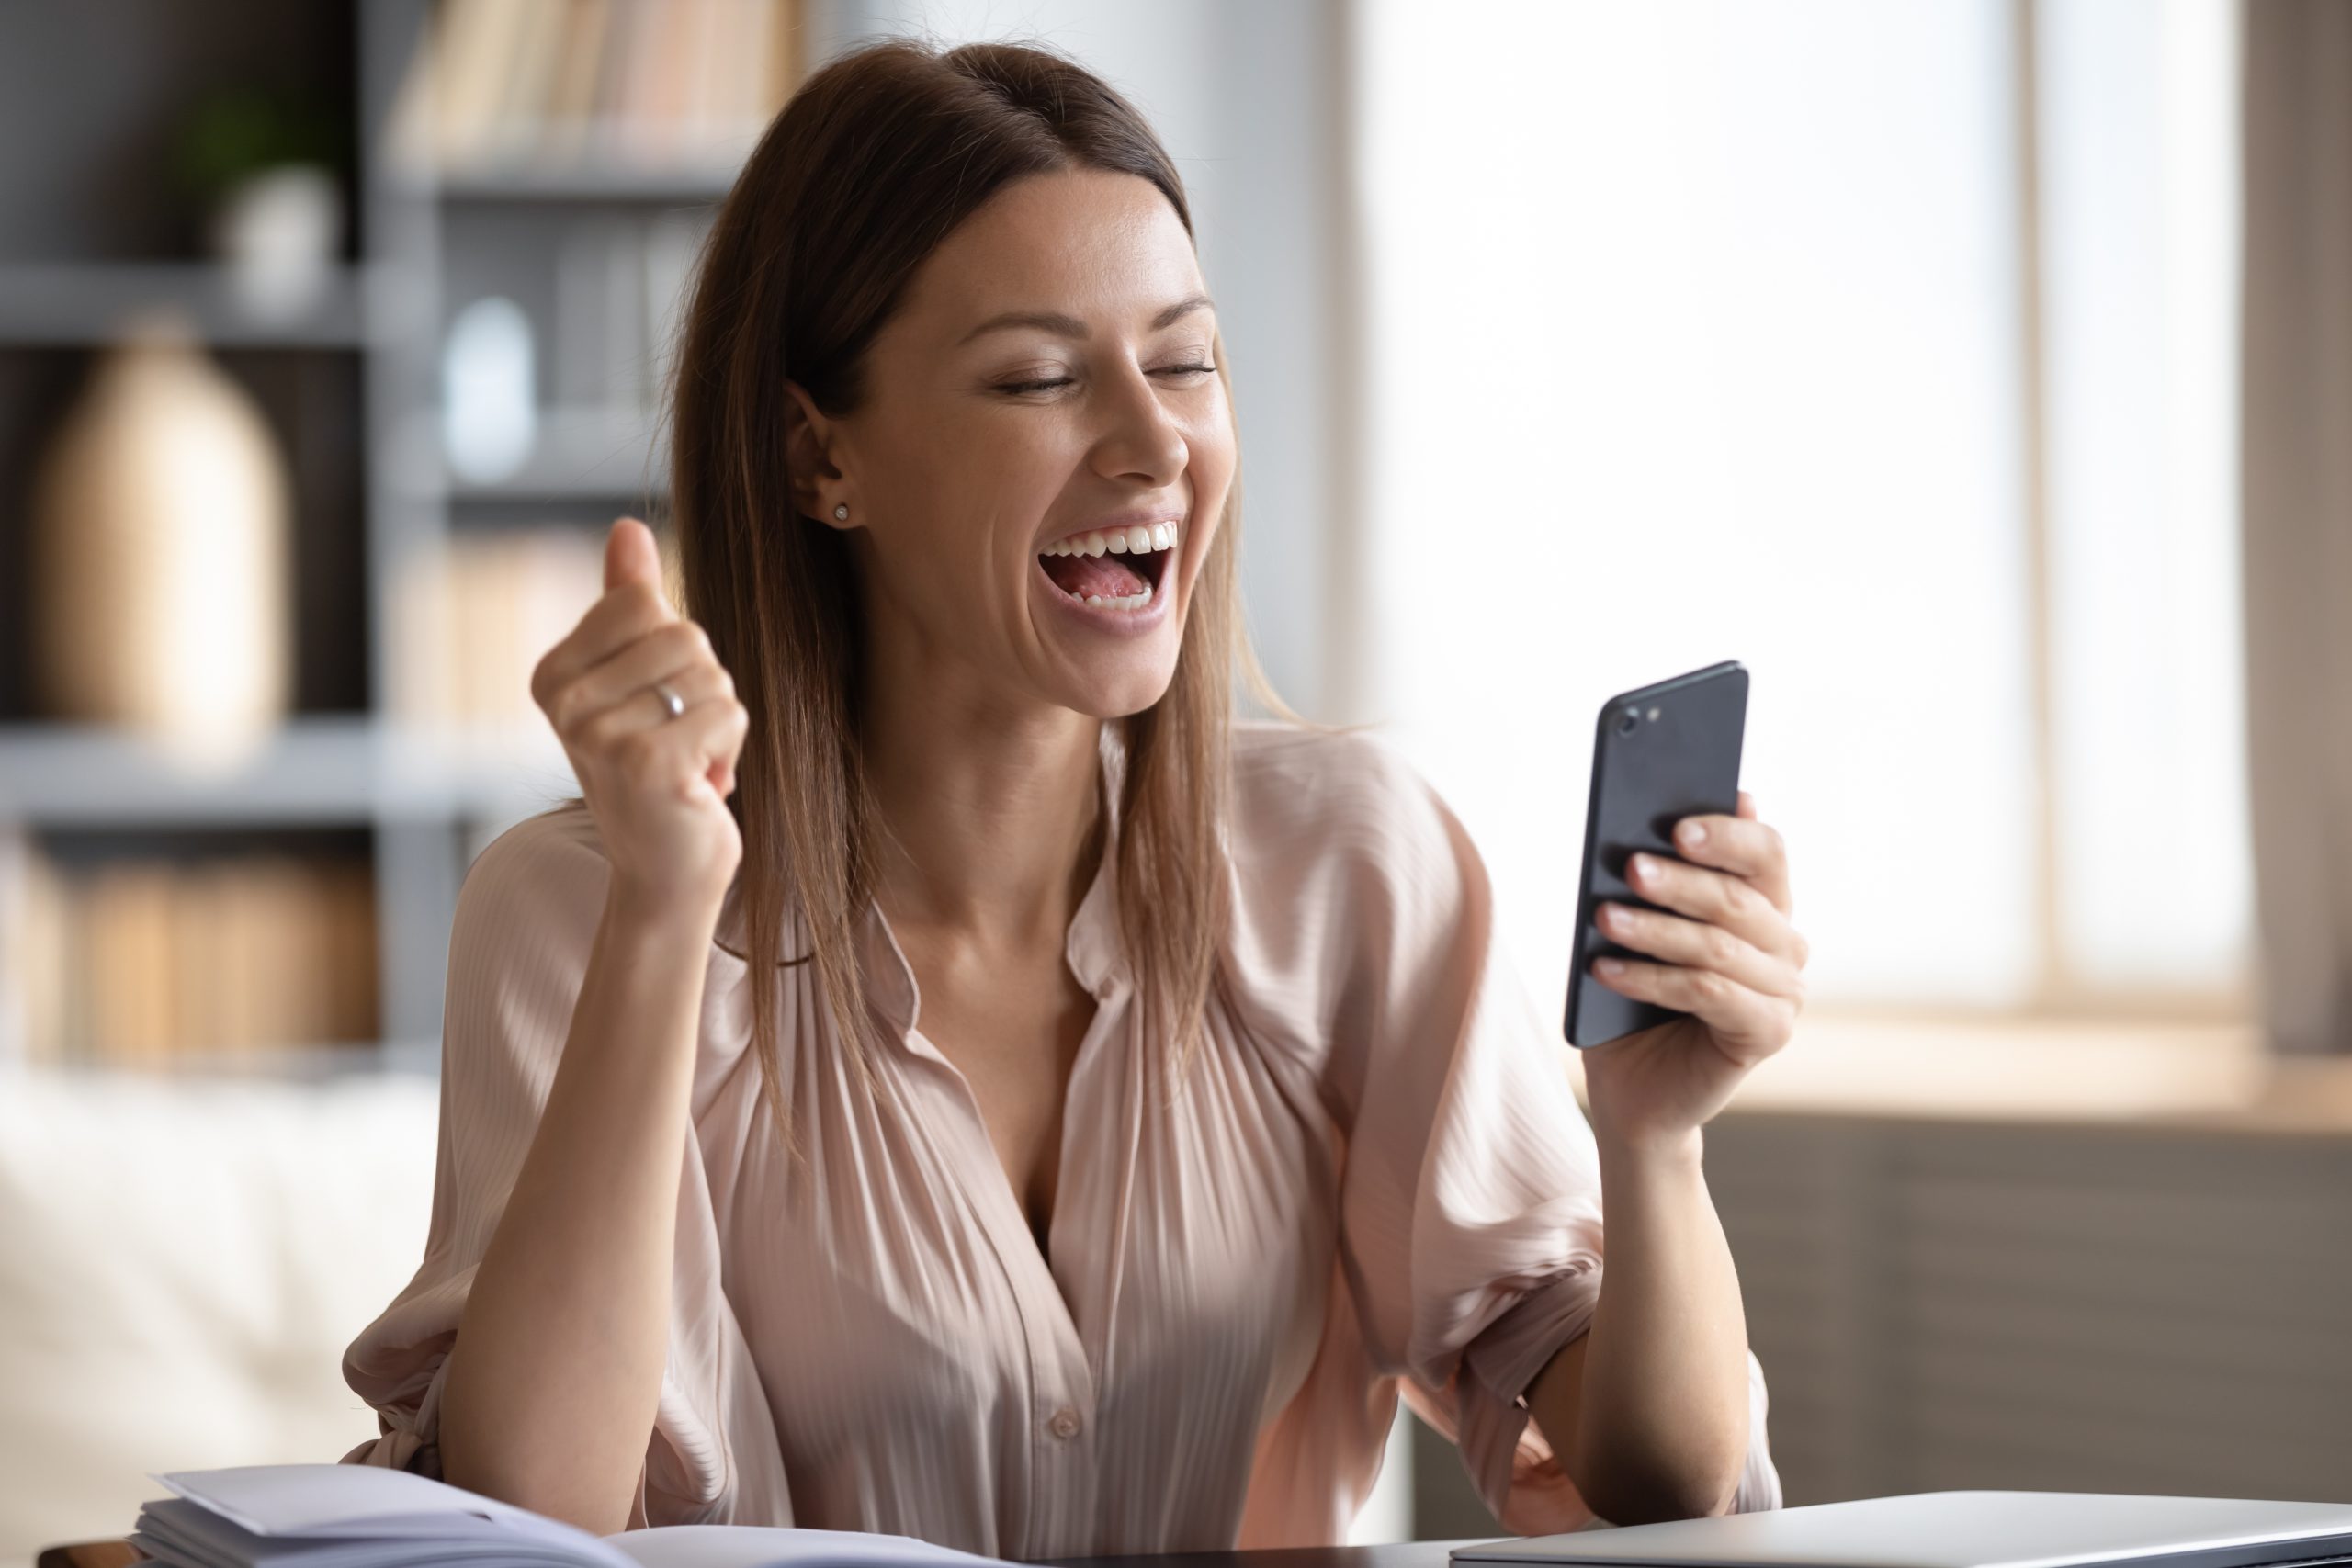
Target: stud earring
x: 841, y: 513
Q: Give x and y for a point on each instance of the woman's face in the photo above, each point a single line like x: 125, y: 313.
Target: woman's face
x: 1044, y: 426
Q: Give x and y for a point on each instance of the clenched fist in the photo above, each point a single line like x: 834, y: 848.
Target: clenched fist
x: 656, y: 784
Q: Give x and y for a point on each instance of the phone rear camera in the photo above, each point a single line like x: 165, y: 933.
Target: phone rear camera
x: 1630, y: 722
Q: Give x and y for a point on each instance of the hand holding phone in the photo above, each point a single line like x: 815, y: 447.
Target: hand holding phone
x: 1684, y: 949
x: 1659, y: 754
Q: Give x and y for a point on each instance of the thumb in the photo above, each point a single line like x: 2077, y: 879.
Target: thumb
x: 630, y: 555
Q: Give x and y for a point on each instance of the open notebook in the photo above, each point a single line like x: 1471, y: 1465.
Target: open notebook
x: 357, y: 1516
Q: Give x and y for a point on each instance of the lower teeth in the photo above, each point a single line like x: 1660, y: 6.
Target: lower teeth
x: 1122, y: 602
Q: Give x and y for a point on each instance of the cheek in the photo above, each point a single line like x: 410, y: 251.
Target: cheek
x: 1213, y: 455
x: 954, y: 497
x: 993, y: 481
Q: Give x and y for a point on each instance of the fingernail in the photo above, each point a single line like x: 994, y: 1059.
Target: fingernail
x: 1609, y: 968
x: 1692, y: 833
x: 1643, y: 868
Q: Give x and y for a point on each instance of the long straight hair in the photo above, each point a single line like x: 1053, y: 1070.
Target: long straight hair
x: 873, y: 162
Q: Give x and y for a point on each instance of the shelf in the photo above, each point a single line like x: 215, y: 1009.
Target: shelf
x: 316, y: 770
x: 580, y: 455
x: 690, y: 186
x: 2161, y: 1070
x: 340, y: 1062
x: 83, y: 304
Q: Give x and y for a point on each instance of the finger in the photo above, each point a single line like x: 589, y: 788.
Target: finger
x: 721, y: 741
x: 1674, y: 940
x: 1714, y: 898
x: 677, y: 652
x: 1746, y: 804
x: 631, y: 555
x: 636, y: 705
x: 1748, y: 1025
x: 616, y: 619
x: 682, y: 754
x: 1741, y: 845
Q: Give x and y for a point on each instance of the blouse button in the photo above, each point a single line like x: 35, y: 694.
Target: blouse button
x: 1063, y: 1424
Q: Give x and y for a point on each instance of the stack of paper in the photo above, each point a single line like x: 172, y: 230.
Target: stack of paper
x: 354, y: 1516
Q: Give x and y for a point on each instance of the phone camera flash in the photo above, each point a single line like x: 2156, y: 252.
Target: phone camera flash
x: 1653, y: 715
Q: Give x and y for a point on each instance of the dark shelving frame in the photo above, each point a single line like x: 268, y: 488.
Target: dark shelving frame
x: 429, y: 801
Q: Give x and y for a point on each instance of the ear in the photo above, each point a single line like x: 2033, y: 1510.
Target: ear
x: 812, y: 444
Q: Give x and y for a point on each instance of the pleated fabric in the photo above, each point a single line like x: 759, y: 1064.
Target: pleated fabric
x: 1373, y: 1181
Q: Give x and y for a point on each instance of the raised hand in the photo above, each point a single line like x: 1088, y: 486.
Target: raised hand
x: 657, y: 784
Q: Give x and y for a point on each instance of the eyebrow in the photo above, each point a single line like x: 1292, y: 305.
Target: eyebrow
x: 1070, y: 326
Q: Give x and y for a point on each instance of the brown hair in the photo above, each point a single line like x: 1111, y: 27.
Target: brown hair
x: 873, y: 162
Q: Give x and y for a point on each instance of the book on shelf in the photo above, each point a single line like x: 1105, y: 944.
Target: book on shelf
x: 573, y: 84
x: 142, y: 962
x: 471, y: 617
x: 620, y: 283
x: 357, y: 1516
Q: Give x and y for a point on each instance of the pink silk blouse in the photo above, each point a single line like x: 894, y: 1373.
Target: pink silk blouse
x: 1376, y: 1181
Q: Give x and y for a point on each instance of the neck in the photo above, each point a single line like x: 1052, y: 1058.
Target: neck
x: 993, y: 816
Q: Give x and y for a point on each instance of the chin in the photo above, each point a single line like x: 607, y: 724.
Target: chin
x: 1110, y: 695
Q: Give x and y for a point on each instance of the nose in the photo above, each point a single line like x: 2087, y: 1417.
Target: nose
x: 1141, y: 443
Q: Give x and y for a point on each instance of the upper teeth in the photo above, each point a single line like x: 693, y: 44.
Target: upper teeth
x: 1139, y: 540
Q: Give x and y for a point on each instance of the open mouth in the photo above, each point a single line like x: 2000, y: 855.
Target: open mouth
x: 1113, y: 569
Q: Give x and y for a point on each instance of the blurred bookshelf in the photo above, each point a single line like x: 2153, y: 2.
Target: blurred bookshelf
x: 284, y: 907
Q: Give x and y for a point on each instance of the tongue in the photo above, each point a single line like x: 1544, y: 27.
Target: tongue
x: 1109, y: 576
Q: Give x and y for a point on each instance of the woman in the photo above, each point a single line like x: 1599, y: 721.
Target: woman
x: 945, y: 1078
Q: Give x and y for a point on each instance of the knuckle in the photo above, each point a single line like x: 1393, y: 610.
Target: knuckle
x: 573, y: 706
x: 634, y: 751
x: 1722, y: 947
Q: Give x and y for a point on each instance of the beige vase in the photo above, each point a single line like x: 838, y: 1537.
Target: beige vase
x: 161, y: 554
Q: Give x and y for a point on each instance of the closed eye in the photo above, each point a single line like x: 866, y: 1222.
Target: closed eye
x: 1069, y: 380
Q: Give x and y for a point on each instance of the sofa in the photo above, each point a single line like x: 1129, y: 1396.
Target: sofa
x: 182, y: 1262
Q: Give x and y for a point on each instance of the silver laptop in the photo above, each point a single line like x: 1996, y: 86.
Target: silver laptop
x: 1964, y: 1529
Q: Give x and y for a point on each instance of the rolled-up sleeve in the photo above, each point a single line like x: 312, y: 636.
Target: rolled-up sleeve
x: 1471, y: 1204
x: 524, y: 923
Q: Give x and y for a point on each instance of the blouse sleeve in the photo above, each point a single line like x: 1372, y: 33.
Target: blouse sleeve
x: 1470, y: 1203
x: 526, y: 919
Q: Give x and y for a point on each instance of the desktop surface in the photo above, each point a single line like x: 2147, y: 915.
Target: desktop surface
x: 1406, y: 1554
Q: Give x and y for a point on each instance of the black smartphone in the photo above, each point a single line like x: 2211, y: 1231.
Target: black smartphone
x: 1658, y: 755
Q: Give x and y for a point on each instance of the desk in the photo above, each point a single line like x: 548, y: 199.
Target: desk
x: 1411, y: 1554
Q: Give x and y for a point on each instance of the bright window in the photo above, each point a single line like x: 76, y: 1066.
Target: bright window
x: 1704, y: 331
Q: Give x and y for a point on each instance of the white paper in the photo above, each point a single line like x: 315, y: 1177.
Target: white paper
x: 354, y: 1516
x: 350, y: 1502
